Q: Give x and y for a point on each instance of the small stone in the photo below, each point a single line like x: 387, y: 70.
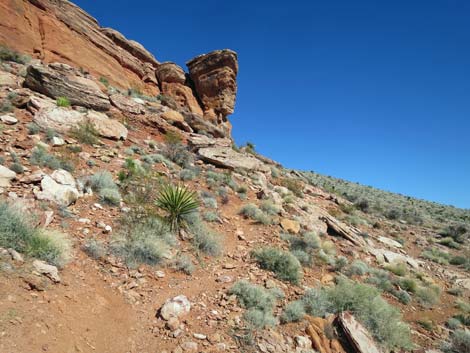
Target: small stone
x: 189, y: 346
x: 8, y: 119
x: 303, y: 342
x: 15, y: 255
x: 199, y: 336
x: 224, y: 279
x: 160, y: 274
x: 57, y: 141
x: 172, y: 323
x: 229, y: 266
x: 48, y: 270
x: 108, y: 229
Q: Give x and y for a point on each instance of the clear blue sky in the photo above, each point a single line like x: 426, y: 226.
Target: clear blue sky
x: 376, y: 92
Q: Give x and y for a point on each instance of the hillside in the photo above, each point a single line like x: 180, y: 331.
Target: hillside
x: 131, y: 222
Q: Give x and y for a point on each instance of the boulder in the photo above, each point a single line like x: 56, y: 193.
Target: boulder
x: 182, y: 95
x: 389, y: 242
x: 176, y: 119
x: 62, y: 194
x: 57, y: 118
x: 107, y: 127
x: 48, y: 270
x: 226, y: 157
x: 198, y: 141
x: 391, y: 257
x: 60, y: 80
x: 125, y: 104
x: 8, y: 119
x: 214, y: 76
x: 6, y: 176
x: 170, y: 72
x: 200, y: 125
x: 175, y: 307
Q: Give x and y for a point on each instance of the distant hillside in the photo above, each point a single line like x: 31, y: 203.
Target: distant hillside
x: 389, y: 204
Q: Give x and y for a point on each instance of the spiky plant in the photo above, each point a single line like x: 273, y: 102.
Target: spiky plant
x: 177, y: 201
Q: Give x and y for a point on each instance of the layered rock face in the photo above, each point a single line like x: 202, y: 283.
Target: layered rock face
x: 57, y: 31
x: 214, y: 76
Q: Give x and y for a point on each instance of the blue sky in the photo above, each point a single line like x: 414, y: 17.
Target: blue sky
x: 376, y: 92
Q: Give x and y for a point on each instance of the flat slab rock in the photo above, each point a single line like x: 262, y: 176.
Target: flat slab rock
x: 383, y: 255
x: 226, y: 157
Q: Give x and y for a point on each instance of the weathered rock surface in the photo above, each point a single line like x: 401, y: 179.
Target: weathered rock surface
x: 125, y: 104
x: 7, y: 79
x: 226, y: 157
x: 170, y: 72
x: 107, y: 127
x: 391, y: 257
x: 48, y: 270
x: 61, y: 31
x: 8, y: 119
x: 59, y: 187
x: 200, y: 125
x: 214, y: 76
x: 175, y: 307
x: 357, y: 335
x: 6, y: 176
x: 60, y: 80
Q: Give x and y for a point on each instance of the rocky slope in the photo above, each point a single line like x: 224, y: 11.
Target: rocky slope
x: 271, y: 262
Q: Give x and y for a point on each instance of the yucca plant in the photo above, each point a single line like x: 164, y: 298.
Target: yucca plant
x: 177, y: 201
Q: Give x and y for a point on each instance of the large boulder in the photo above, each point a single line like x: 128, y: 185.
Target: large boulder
x: 60, y: 80
x: 214, y: 76
x: 107, y: 127
x: 170, y: 72
x: 59, y: 187
x: 125, y: 104
x: 226, y: 157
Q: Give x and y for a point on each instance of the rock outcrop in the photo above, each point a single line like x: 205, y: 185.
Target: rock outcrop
x: 61, y: 80
x: 214, y: 76
x: 57, y: 30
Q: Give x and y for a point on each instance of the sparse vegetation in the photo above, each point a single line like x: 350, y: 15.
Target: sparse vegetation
x: 104, y: 185
x: 7, y: 54
x: 85, y: 133
x: 284, y: 265
x: 184, y: 264
x: 252, y: 211
x: 293, y: 312
x: 40, y: 156
x: 204, y: 239
x: 63, y: 102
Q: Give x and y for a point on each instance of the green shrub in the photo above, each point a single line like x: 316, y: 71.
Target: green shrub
x: 33, y: 129
x: 7, y: 54
x: 454, y: 323
x: 184, y: 264
x: 340, y: 263
x: 16, y: 230
x: 457, y: 231
x: 142, y: 241
x: 398, y: 269
x: 103, y: 183
x: 402, y: 296
x: 187, y: 174
x: 17, y: 168
x: 208, y: 200
x: 270, y: 208
x: 95, y: 249
x: 381, y: 279
x: 179, y: 154
x: 85, y: 133
x: 253, y: 212
x: 285, y: 265
x: 428, y: 296
x: 459, y: 342
x: 258, y: 301
x: 40, y: 156
x: 51, y: 246
x: 293, y: 312
x: 204, y: 239
x: 357, y: 268
x: 449, y: 242
x: 177, y: 201
x: 104, y: 81
x: 436, y: 255
x: 210, y: 216
x: 63, y: 102
x: 382, y: 320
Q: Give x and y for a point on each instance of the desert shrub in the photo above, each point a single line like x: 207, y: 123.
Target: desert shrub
x: 104, y: 185
x: 184, y: 264
x: 458, y: 231
x: 85, y: 133
x: 398, y: 269
x: 187, y: 174
x: 104, y: 81
x: 459, y: 342
x: 204, y: 239
x: 303, y: 247
x: 51, y: 246
x: 449, y: 242
x: 40, y: 156
x: 304, y: 257
x: 428, y: 296
x: 285, y: 265
x: 258, y: 301
x: 382, y: 320
x: 436, y: 255
x: 294, y: 185
x: 210, y: 216
x: 270, y: 208
x: 253, y: 212
x: 408, y: 284
x: 16, y: 230
x: 63, y: 102
x: 457, y: 291
x: 453, y: 323
x: 7, y: 54
x: 293, y: 312
x: 208, y: 200
x: 94, y: 249
x: 142, y: 241
x: 175, y: 151
x: 33, y: 129
x: 17, y: 168
x: 402, y: 296
x: 357, y: 268
x: 177, y: 201
x: 340, y: 263
x: 380, y: 279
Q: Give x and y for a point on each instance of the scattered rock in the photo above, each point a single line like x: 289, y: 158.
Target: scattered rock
x: 15, y: 255
x: 6, y: 176
x: 357, y: 334
x: 199, y: 336
x: 48, y: 270
x: 8, y: 119
x: 62, y: 194
x: 125, y: 104
x: 189, y: 346
x: 390, y: 242
x: 175, y: 307
x: 107, y: 127
x: 290, y: 225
